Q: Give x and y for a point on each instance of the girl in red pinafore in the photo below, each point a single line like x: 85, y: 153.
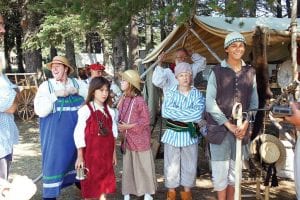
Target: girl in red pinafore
x: 138, y: 177
x: 94, y: 137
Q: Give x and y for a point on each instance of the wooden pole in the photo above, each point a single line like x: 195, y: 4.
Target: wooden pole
x: 238, y: 115
x: 294, y: 38
x: 206, y: 45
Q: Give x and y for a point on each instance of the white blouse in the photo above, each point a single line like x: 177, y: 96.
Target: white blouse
x: 43, y: 101
x: 83, y: 114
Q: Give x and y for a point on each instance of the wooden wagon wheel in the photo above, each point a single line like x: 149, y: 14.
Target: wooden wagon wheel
x: 25, y: 104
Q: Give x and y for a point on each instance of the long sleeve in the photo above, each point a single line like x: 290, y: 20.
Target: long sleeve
x: 114, y: 115
x: 142, y: 119
x: 163, y: 78
x: 199, y: 63
x: 43, y: 101
x: 183, y: 108
x: 79, y: 134
x: 83, y: 88
x: 211, y: 103
x: 7, y: 94
x: 254, y: 96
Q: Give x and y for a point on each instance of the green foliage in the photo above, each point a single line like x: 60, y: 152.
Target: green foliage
x: 178, y: 11
x: 4, y: 6
x: 55, y: 30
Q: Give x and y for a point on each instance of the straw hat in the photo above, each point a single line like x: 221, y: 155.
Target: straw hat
x: 60, y: 60
x: 133, y: 77
x: 271, y: 150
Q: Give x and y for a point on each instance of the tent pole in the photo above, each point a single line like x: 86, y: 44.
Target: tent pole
x: 202, y: 41
x: 294, y: 38
x: 167, y: 51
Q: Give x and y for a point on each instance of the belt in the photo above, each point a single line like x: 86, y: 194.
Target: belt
x: 177, y: 123
x: 177, y: 126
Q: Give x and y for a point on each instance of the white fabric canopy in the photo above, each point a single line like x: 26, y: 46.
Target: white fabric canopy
x: 212, y: 30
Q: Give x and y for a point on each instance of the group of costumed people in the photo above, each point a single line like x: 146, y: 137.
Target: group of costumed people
x: 79, y: 126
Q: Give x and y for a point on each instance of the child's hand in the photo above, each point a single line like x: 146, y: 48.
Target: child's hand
x: 79, y: 163
x: 115, y: 158
x: 124, y: 126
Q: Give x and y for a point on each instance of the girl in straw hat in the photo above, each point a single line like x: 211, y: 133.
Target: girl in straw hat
x: 56, y: 103
x: 138, y: 176
x: 94, y: 137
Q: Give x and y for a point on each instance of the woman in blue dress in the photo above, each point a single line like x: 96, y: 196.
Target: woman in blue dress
x: 56, y: 103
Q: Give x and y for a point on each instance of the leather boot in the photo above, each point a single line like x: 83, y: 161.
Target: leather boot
x: 186, y: 195
x: 171, y: 195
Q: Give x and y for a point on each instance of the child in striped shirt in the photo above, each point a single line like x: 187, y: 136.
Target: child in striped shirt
x: 182, y: 107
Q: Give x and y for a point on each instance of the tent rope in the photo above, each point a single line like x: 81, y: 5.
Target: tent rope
x: 167, y: 51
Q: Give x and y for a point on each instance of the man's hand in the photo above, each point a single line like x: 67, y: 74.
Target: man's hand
x: 61, y: 93
x: 188, y: 58
x: 295, y: 118
x: 124, y: 126
x: 115, y: 157
x: 72, y: 90
x: 13, y: 107
x: 161, y: 58
x: 231, y: 127
x: 241, y: 130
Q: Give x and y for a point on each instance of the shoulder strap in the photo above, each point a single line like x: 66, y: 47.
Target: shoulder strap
x: 128, y: 120
x: 75, y: 84
x: 107, y: 111
x: 50, y: 87
x: 90, y: 107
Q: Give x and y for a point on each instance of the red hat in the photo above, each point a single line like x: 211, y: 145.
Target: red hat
x: 97, y: 66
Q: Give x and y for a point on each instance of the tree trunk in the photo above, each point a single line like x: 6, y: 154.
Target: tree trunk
x: 119, y: 57
x: 262, y: 75
x: 33, y: 60
x: 133, y: 41
x: 148, y: 31
x: 288, y: 8
x: 298, y: 8
x: 30, y: 24
x: 53, y: 52
x: 253, y: 9
x: 279, y: 10
x: 162, y: 23
x: 152, y: 95
x: 70, y: 53
x: 88, y: 43
x: 19, y: 38
x: 106, y: 54
x: 239, y: 8
x: 7, y: 55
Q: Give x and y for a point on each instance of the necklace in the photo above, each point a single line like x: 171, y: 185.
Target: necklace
x: 102, y: 131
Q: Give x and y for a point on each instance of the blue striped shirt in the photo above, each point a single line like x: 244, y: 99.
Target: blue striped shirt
x: 183, y: 108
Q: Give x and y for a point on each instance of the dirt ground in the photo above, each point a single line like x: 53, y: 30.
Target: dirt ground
x: 27, y: 161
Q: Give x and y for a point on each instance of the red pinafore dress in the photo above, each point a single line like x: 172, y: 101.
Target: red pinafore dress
x: 98, y: 156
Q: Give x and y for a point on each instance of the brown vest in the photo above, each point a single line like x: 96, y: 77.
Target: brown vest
x: 231, y: 88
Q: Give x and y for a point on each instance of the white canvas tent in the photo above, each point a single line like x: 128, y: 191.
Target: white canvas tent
x: 212, y: 30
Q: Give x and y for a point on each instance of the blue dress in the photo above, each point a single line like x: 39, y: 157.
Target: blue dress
x: 58, y: 148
